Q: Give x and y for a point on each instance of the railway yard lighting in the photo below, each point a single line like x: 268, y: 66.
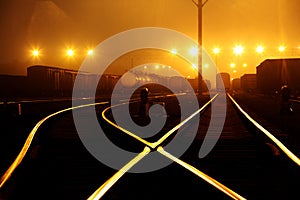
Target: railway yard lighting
x: 90, y: 52
x: 281, y: 48
x: 238, y: 50
x: 216, y: 50
x: 35, y: 53
x: 232, y: 65
x: 260, y: 49
x: 70, y: 52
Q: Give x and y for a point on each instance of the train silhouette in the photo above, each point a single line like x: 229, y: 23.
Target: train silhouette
x: 49, y: 81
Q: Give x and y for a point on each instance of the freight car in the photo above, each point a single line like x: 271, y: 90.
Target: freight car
x: 248, y: 82
x: 223, y: 81
x: 272, y: 74
x: 48, y: 81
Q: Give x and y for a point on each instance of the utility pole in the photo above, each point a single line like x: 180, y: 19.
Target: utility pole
x: 199, y: 6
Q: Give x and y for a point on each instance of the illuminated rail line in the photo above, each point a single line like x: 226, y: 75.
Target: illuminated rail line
x: 30, y: 138
x: 292, y: 156
x: 156, y: 146
x: 33, y: 132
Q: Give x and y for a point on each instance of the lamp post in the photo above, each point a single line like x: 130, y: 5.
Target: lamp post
x: 199, y: 6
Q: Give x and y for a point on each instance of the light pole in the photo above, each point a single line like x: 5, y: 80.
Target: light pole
x: 199, y: 5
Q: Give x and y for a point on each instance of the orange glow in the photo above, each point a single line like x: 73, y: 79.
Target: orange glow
x: 70, y: 52
x: 216, y: 50
x: 245, y: 65
x: 260, y: 49
x: 90, y: 52
x: 281, y: 48
x: 232, y: 65
x: 35, y: 53
x: 238, y: 50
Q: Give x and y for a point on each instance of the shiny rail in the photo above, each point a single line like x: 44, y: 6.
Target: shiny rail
x: 31, y: 135
x: 202, y: 175
x: 292, y: 156
x: 30, y: 138
x: 110, y: 182
x: 155, y: 146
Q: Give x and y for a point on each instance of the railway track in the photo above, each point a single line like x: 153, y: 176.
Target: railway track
x: 243, y: 158
x: 241, y: 164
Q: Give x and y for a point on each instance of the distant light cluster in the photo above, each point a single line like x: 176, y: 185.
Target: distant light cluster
x: 237, y: 51
x: 69, y: 52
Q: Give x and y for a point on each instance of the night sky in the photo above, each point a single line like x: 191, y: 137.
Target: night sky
x: 53, y: 26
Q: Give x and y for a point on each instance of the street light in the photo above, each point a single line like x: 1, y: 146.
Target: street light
x: 281, y: 48
x: 35, y: 53
x: 216, y: 51
x: 70, y: 52
x: 90, y: 52
x: 260, y: 49
x: 238, y: 50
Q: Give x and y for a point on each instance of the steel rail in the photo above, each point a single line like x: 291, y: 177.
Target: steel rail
x: 30, y: 138
x: 170, y: 132
x: 153, y: 145
x: 111, y: 181
x: 292, y: 156
x: 123, y: 129
x: 202, y: 175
